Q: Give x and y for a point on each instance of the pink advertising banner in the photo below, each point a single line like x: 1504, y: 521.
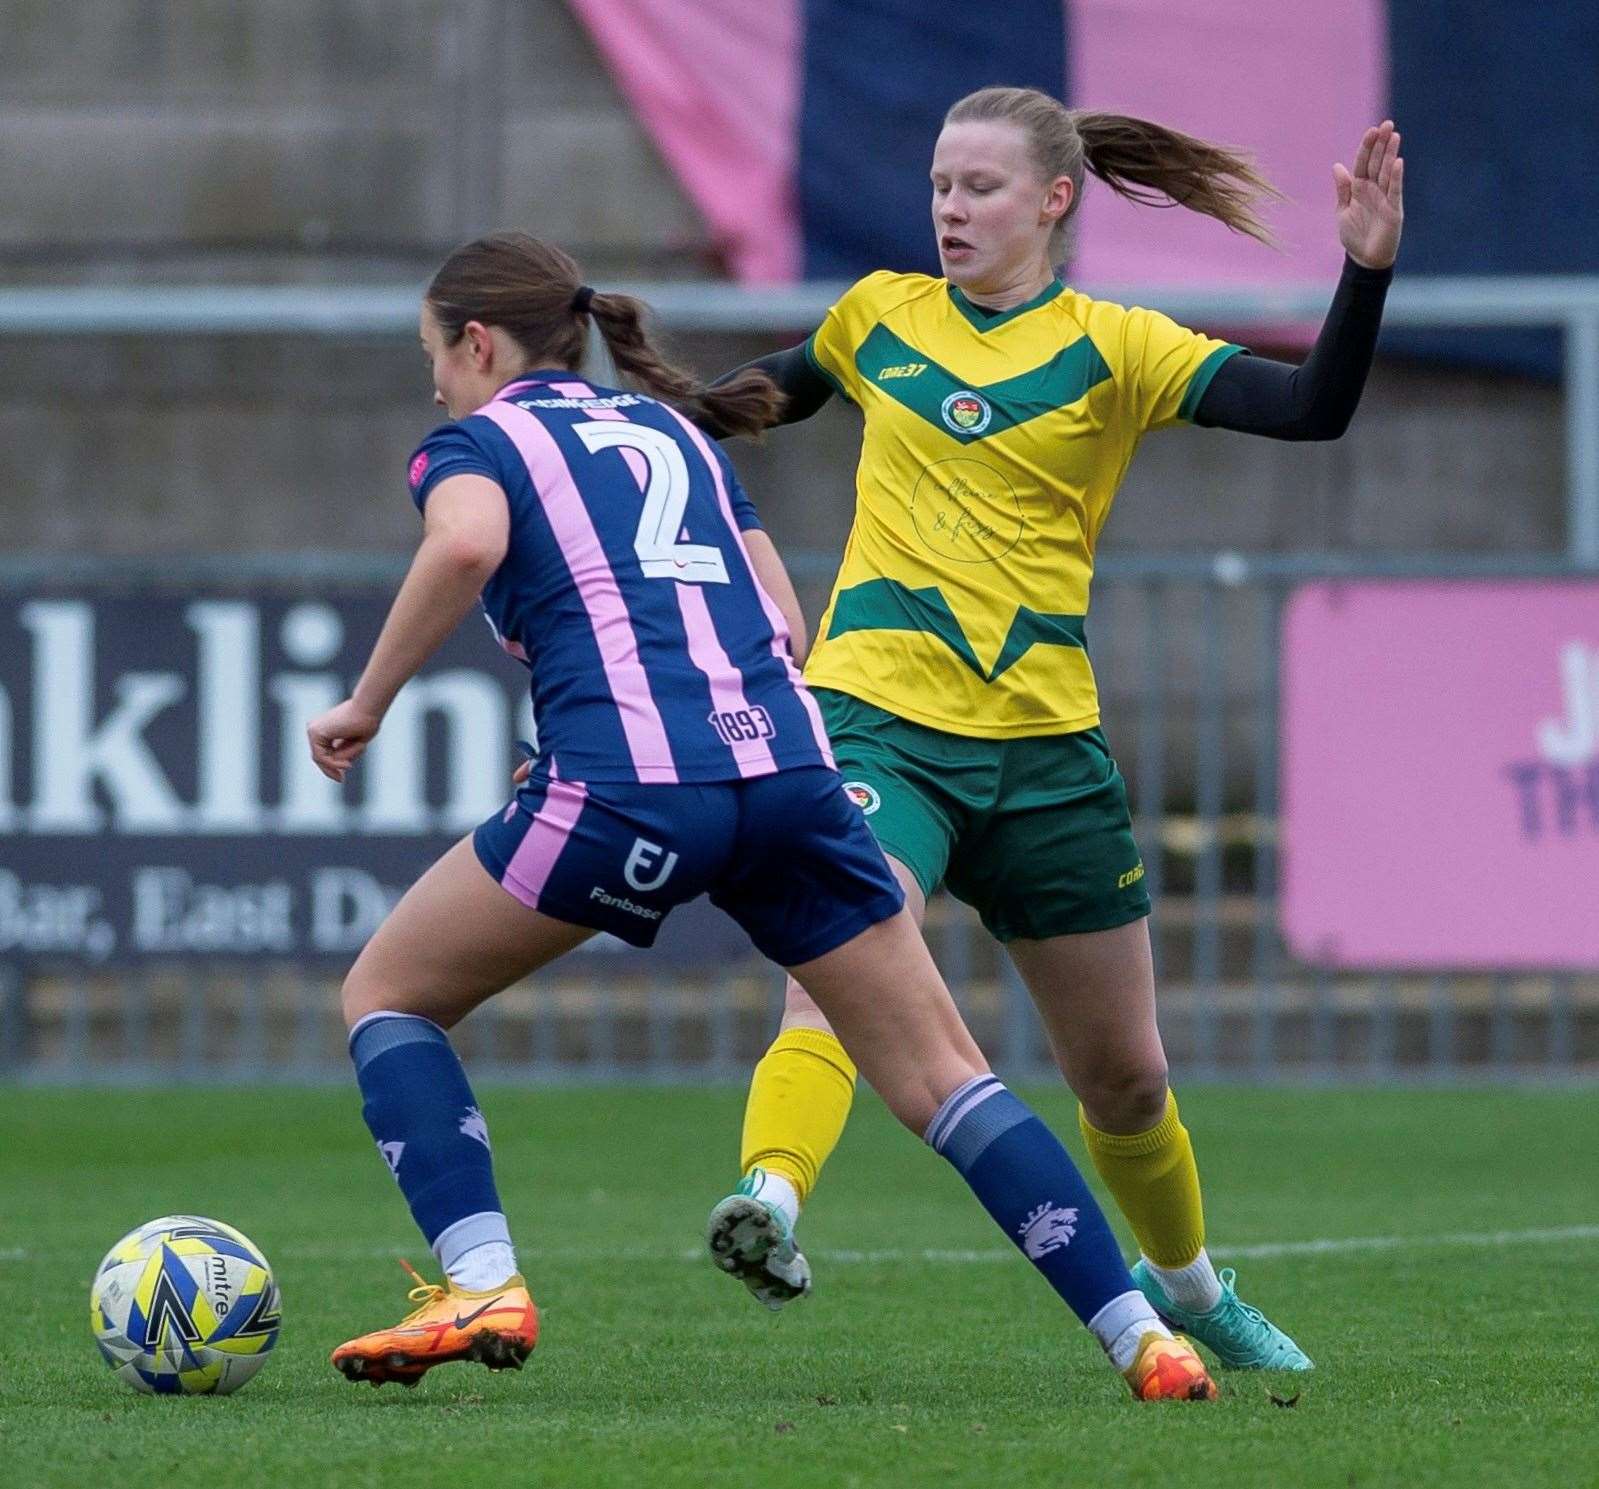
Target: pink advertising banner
x: 1440, y: 774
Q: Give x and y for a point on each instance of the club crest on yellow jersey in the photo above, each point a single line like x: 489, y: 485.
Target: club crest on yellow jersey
x: 967, y: 412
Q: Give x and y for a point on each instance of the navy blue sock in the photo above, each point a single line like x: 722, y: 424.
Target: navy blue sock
x: 425, y: 1119
x: 1027, y: 1181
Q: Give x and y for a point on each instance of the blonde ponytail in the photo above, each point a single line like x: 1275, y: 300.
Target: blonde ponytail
x: 1144, y: 162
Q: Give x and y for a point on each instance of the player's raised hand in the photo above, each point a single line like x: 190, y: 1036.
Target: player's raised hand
x: 340, y: 736
x: 1371, y: 198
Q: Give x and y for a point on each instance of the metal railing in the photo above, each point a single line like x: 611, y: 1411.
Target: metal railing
x: 1187, y: 649
x: 1569, y: 303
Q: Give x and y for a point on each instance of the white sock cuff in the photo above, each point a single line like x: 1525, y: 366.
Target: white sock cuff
x: 366, y: 1018
x: 1195, y: 1287
x: 405, y: 1029
x: 776, y: 1190
x: 467, y: 1234
x: 1121, y: 1323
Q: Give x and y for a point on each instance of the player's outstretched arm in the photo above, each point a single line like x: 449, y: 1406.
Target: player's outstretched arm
x: 467, y: 532
x: 1371, y: 199
x: 804, y: 389
x: 1316, y: 401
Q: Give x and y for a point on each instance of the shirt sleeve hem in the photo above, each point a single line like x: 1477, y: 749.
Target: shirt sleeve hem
x: 816, y: 362
x: 1202, y: 376
x: 455, y: 466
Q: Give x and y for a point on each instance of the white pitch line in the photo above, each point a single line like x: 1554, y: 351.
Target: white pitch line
x: 1327, y: 1246
x: 1547, y: 1234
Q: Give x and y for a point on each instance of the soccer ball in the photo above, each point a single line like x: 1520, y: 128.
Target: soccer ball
x: 184, y: 1306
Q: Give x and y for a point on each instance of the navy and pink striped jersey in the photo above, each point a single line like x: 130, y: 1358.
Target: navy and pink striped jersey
x: 656, y: 655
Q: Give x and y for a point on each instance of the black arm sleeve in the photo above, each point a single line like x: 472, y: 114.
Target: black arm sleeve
x: 1255, y: 395
x: 804, y: 389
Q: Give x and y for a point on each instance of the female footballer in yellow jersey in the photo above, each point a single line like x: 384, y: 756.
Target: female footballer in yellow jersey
x: 1001, y: 410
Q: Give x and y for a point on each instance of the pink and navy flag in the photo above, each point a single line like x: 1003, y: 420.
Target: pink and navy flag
x: 802, y: 129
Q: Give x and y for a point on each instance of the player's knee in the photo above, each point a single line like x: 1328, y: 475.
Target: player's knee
x: 366, y: 990
x: 800, y: 1009
x: 916, y: 1099
x: 1126, y: 1097
x: 914, y: 1106
x: 358, y: 997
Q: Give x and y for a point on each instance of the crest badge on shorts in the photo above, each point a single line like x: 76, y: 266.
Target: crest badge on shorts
x: 864, y: 796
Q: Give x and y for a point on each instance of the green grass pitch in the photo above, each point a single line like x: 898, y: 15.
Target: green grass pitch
x: 1448, y: 1353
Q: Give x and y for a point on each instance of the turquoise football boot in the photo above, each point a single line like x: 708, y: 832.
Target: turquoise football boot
x: 1240, y: 1336
x: 751, y: 1240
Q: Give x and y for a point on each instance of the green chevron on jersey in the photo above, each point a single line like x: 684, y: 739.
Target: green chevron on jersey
x: 968, y: 412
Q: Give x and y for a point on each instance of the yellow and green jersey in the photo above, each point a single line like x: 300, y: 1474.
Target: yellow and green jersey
x: 994, y: 445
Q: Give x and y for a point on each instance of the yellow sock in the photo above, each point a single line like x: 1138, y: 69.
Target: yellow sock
x: 1156, y: 1184
x: 799, y: 1100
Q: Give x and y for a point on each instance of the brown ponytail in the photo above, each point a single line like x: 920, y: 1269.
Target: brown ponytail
x: 746, y: 403
x: 1144, y: 162
x: 529, y: 289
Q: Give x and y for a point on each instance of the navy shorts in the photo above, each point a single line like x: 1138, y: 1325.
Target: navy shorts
x: 789, y: 856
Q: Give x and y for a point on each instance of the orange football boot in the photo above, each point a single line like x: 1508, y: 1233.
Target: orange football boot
x: 497, y: 1328
x: 1169, y: 1370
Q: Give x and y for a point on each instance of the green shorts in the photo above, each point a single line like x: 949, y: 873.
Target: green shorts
x: 1033, y: 833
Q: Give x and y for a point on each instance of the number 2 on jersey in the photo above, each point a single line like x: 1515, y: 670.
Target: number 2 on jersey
x: 660, y: 554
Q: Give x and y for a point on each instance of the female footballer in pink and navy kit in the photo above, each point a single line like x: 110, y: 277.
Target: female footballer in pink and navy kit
x: 613, y: 551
